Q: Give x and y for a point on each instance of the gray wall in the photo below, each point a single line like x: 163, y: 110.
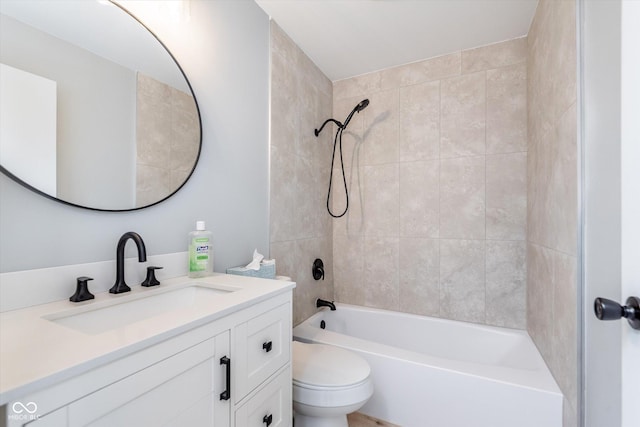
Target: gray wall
x: 224, y: 51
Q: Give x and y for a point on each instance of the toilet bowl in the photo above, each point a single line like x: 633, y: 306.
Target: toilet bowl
x: 328, y: 383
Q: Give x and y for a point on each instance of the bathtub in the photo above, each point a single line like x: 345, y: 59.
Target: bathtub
x: 431, y: 372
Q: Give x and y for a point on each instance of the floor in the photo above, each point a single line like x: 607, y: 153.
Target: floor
x: 361, y: 420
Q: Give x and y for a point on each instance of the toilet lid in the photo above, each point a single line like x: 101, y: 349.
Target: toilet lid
x: 327, y: 366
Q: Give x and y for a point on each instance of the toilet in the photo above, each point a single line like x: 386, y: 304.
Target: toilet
x: 328, y: 383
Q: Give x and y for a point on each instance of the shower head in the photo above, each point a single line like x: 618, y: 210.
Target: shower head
x: 361, y: 106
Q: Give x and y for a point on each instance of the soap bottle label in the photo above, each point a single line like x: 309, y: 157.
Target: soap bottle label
x: 200, y: 254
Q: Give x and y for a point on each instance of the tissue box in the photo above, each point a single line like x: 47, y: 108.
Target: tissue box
x: 267, y: 271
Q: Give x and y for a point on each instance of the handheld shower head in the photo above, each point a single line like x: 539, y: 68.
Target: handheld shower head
x: 361, y: 106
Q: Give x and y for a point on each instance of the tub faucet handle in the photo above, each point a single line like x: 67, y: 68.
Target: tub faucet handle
x: 318, y: 269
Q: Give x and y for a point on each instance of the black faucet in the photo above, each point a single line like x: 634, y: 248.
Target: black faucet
x: 120, y: 286
x: 323, y: 303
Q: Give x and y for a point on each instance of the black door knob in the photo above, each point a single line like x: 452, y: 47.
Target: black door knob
x: 607, y: 309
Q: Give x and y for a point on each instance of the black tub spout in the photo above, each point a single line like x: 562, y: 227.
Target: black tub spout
x: 323, y: 303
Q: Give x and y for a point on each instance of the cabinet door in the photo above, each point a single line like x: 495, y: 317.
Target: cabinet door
x: 263, y: 346
x: 269, y: 407
x: 184, y: 386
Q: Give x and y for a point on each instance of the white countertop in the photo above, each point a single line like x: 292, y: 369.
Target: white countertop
x: 36, y: 352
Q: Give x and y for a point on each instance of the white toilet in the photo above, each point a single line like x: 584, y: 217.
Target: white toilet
x: 328, y: 383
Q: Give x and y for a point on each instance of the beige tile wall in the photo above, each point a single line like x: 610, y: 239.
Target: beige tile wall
x: 552, y: 189
x: 436, y: 167
x: 167, y: 138
x: 300, y: 227
x: 462, y: 186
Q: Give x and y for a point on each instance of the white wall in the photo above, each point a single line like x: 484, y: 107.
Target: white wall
x: 224, y: 51
x: 601, y: 206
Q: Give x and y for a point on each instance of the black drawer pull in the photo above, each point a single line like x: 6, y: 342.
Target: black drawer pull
x: 267, y: 346
x: 268, y: 419
x: 225, y: 395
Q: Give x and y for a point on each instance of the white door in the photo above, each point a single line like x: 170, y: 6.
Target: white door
x: 630, y: 182
x: 611, y: 195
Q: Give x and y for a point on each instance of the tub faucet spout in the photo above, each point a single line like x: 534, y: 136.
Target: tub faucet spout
x: 120, y: 286
x: 323, y: 303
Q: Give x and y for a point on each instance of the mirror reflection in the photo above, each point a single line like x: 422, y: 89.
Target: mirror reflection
x: 94, y: 110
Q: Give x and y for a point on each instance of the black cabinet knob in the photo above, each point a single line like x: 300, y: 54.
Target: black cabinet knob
x: 267, y: 419
x: 267, y: 346
x: 606, y: 309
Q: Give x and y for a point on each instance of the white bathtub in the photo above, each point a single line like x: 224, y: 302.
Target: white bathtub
x: 431, y: 372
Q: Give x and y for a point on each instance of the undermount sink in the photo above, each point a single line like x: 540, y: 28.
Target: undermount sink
x: 112, y: 315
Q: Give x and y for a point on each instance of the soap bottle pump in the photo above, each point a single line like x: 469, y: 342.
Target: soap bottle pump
x: 200, y: 251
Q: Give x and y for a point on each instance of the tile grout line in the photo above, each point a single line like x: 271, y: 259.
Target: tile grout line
x: 486, y: 101
x: 439, y: 198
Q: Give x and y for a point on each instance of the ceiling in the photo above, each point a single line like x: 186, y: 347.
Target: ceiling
x: 346, y: 38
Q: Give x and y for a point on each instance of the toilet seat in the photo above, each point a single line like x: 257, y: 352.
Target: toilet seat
x: 324, y: 366
x: 334, y: 397
x: 330, y: 377
x: 330, y: 388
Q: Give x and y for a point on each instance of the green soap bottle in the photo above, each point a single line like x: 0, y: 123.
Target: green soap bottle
x: 200, y: 251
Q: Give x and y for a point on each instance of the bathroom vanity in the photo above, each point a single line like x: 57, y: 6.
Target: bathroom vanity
x: 214, y: 351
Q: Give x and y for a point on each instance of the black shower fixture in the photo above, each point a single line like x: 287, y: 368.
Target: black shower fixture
x: 361, y: 106
x: 341, y: 127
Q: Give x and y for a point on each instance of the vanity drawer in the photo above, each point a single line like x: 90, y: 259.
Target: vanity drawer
x: 263, y: 346
x: 270, y: 406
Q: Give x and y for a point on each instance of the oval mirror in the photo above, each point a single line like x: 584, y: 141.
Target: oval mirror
x: 95, y: 112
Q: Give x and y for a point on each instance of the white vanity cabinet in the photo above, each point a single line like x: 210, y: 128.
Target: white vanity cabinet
x: 234, y: 371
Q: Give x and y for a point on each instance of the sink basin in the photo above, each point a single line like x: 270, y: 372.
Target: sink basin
x: 102, y: 318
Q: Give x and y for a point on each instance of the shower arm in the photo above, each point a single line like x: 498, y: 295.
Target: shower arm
x: 317, y: 131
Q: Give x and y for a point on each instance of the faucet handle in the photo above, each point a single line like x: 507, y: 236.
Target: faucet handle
x: 318, y: 269
x: 82, y: 290
x: 151, y: 276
